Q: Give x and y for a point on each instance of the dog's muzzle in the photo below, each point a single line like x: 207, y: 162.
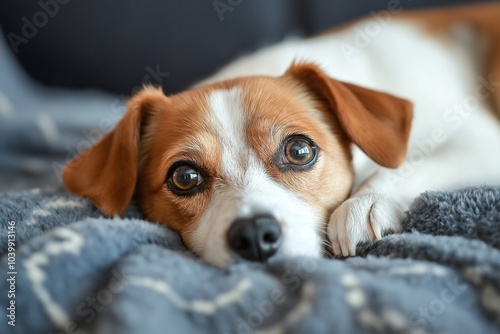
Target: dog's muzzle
x: 256, y: 238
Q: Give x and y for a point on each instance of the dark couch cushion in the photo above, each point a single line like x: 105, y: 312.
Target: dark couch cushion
x: 117, y: 45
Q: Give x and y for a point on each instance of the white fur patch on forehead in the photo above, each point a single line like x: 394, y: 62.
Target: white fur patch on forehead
x: 229, y: 120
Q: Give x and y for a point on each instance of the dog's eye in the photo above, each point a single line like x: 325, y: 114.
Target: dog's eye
x: 184, y: 179
x: 297, y: 153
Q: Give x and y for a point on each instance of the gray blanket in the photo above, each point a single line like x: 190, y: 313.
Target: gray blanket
x: 78, y: 272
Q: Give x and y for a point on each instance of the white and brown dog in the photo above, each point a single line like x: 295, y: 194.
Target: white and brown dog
x: 270, y: 155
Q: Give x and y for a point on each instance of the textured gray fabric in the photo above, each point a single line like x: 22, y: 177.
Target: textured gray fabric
x: 79, y: 272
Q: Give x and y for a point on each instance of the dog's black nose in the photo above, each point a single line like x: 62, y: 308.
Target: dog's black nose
x: 256, y: 238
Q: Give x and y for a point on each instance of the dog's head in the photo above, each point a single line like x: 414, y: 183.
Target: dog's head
x: 245, y: 168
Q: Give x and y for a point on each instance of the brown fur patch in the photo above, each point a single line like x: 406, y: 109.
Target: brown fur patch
x: 281, y: 107
x: 378, y: 123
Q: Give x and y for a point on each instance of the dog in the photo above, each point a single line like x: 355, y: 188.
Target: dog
x: 310, y: 146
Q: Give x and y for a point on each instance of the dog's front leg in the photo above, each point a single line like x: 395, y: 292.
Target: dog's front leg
x: 379, y: 204
x: 376, y: 208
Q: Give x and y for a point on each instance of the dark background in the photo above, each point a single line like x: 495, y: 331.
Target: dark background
x: 113, y: 45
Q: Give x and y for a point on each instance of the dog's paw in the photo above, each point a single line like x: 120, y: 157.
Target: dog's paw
x: 362, y: 219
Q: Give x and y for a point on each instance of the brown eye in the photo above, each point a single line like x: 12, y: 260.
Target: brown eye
x: 185, y: 178
x: 299, y: 152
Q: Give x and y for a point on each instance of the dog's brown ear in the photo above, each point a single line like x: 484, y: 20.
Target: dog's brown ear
x: 378, y: 123
x: 106, y: 173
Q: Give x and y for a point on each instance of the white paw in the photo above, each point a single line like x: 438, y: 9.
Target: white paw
x: 361, y: 219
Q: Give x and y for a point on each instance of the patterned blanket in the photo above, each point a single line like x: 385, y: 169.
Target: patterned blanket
x: 75, y: 271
